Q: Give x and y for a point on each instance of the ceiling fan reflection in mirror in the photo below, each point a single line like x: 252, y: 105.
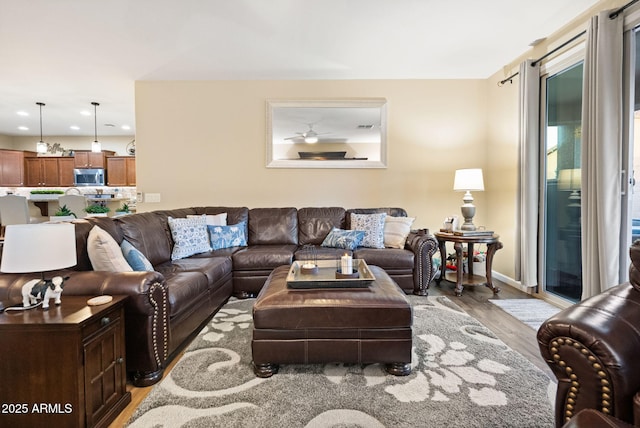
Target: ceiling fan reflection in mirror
x: 309, y: 136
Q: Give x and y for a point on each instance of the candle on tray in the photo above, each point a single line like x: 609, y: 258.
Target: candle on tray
x: 346, y: 265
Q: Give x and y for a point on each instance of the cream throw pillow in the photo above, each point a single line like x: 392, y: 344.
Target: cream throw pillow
x: 105, y: 253
x: 396, y: 230
x: 213, y: 219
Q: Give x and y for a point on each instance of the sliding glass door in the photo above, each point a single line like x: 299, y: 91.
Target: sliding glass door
x: 560, y: 244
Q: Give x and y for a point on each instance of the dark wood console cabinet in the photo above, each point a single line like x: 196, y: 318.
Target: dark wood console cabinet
x: 64, y: 366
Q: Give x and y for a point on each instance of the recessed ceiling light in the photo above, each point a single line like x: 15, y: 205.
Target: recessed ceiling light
x: 22, y: 113
x: 23, y: 128
x: 126, y: 127
x: 75, y: 127
x: 85, y: 113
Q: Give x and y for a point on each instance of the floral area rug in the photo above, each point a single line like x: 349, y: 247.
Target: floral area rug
x: 462, y: 376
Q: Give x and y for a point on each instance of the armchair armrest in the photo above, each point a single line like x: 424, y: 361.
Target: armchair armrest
x: 592, y: 348
x: 424, y: 246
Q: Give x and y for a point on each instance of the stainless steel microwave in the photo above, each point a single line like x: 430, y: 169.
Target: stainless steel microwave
x: 89, y: 176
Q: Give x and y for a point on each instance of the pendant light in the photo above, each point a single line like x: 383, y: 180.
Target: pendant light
x: 41, y: 146
x: 95, y: 146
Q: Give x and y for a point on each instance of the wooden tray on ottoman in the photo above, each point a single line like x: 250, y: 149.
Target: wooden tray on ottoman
x: 325, y: 276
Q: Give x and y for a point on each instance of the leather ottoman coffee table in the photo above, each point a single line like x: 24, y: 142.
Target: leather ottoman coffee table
x: 307, y: 326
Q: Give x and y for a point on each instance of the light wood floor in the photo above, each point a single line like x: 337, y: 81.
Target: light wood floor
x: 474, y: 300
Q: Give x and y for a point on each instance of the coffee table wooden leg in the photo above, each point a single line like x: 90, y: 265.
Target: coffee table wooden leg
x: 491, y: 250
x: 459, y: 266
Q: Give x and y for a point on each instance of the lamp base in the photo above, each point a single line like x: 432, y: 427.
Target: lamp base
x: 468, y: 226
x: 468, y: 211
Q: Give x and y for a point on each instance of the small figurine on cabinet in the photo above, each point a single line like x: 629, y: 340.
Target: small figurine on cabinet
x: 42, y: 289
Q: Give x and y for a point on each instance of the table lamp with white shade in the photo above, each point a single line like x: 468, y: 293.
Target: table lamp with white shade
x: 30, y: 248
x: 571, y: 180
x: 467, y: 180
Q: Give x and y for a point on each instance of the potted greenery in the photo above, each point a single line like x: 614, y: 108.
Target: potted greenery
x: 46, y: 194
x: 63, y: 214
x: 123, y: 210
x: 97, y: 210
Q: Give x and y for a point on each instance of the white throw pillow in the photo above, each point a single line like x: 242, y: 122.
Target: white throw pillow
x: 104, y: 252
x: 373, y: 226
x: 396, y: 230
x: 214, y: 219
x: 190, y: 236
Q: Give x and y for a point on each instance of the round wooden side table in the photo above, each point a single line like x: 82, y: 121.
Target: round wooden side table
x: 461, y: 278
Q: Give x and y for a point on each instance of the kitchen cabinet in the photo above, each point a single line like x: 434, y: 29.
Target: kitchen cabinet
x: 42, y: 171
x: 121, y: 171
x: 65, y: 366
x: 49, y: 171
x: 89, y: 159
x: 65, y: 171
x: 12, y: 167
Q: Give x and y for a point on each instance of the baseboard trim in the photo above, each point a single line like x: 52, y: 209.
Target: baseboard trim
x: 513, y: 283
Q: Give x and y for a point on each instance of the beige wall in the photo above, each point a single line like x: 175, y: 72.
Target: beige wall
x: 6, y: 142
x: 502, y: 163
x: 204, y: 143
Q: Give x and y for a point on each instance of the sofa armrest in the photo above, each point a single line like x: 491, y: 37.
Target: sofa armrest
x: 146, y: 316
x: 592, y: 348
x: 424, y: 246
x: 138, y: 286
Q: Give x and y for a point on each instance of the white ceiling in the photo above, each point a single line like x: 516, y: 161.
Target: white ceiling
x: 68, y: 53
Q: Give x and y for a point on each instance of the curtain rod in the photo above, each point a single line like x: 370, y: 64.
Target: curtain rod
x: 612, y: 15
x: 615, y: 13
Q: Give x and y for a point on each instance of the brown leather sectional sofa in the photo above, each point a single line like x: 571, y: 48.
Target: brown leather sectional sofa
x: 592, y: 348
x: 168, y: 306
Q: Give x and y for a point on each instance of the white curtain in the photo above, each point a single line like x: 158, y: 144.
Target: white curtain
x: 527, y: 246
x: 601, y: 155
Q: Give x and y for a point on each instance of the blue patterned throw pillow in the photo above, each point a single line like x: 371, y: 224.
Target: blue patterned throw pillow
x: 347, y: 239
x: 134, y: 257
x: 373, y: 226
x: 227, y: 236
x: 189, y: 236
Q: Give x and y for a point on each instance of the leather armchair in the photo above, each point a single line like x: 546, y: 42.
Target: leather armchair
x: 592, y: 348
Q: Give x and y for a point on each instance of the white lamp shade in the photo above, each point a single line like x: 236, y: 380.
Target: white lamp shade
x: 468, y: 179
x: 570, y: 179
x: 38, y: 248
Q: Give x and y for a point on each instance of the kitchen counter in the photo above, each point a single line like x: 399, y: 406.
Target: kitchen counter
x: 48, y: 204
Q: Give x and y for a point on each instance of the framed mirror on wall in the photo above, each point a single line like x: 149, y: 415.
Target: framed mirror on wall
x: 348, y: 133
